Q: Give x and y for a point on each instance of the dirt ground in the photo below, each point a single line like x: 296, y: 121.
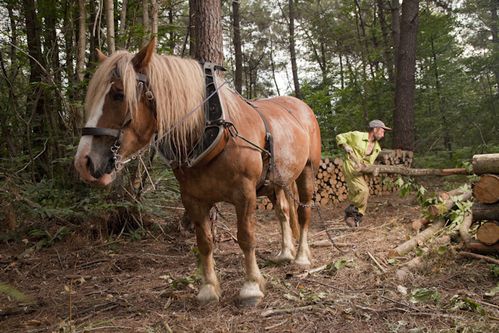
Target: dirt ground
x: 85, y: 284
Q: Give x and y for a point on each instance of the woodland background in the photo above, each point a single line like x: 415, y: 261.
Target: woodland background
x: 429, y: 68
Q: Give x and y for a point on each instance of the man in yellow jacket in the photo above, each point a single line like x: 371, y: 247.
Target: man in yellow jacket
x: 361, y: 148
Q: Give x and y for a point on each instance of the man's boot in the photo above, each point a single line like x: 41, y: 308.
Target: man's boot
x: 351, y: 216
x: 358, y: 219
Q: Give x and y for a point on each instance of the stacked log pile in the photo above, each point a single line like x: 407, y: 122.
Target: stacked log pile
x: 330, y: 182
x: 485, y: 209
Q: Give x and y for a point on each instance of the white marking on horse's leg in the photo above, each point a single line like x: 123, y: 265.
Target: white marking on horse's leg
x: 210, y: 290
x: 287, y: 252
x: 252, y: 290
x: 303, y: 256
x: 250, y: 294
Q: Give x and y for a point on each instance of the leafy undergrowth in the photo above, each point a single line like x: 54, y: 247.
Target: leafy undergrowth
x: 146, y: 280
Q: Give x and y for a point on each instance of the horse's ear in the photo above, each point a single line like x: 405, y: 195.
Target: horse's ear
x: 142, y: 59
x: 100, y: 56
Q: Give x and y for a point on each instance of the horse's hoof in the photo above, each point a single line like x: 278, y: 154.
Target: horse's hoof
x: 250, y: 294
x: 303, y: 262
x: 283, y: 258
x: 208, y: 294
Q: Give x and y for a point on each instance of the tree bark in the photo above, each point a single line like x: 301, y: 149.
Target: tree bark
x: 238, y: 73
x: 441, y: 101
x: 82, y: 41
x: 154, y: 20
x: 395, y: 9
x: 483, y: 212
x: 411, y: 244
x: 145, y: 21
x: 485, y: 163
x: 123, y: 23
x: 405, y: 87
x: 292, y: 49
x: 495, y: 40
x: 110, y: 36
x: 388, y: 57
x: 206, y: 33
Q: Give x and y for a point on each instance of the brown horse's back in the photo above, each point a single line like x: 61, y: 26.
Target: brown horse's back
x: 295, y: 133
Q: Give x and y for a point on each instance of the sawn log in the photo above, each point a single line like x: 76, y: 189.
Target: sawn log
x: 485, y: 163
x: 486, y: 190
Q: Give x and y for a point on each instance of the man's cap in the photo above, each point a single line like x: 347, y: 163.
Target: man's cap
x: 376, y: 123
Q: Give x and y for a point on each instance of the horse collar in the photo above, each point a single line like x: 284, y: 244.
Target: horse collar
x: 216, y: 129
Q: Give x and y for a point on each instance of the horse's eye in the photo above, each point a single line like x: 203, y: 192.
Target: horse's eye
x: 118, y: 96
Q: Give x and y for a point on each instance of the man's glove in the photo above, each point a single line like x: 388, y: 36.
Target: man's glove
x: 348, y: 149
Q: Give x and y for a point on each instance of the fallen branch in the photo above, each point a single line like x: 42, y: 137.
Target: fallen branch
x: 478, y: 256
x: 376, y: 262
x: 408, y: 246
x: 272, y: 312
x: 396, y: 169
x: 464, y: 228
x: 443, y: 207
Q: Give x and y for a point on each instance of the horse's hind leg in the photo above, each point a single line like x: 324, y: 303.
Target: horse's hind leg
x: 305, y: 183
x: 252, y: 291
x: 199, y: 213
x: 283, y: 208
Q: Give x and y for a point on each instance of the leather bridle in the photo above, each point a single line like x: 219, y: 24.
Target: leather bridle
x: 142, y: 82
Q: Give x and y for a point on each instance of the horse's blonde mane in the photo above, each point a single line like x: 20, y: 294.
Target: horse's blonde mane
x: 178, y: 86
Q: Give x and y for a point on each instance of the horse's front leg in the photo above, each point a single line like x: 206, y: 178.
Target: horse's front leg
x: 199, y: 214
x: 252, y: 291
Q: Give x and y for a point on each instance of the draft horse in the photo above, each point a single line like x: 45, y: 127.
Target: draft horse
x: 270, y: 146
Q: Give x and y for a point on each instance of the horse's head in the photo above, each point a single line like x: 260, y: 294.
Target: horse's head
x: 120, y: 110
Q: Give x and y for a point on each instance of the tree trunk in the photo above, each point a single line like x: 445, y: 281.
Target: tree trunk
x: 154, y: 20
x: 35, y: 104
x: 388, y: 57
x: 292, y: 50
x: 442, y: 208
x: 441, y: 101
x: 495, y: 40
x: 69, y: 44
x: 110, y: 36
x: 487, y: 189
x: 395, y: 9
x: 405, y: 87
x: 145, y: 21
x: 238, y: 73
x: 123, y: 25
x: 82, y: 41
x: 206, y: 37
x: 485, y: 163
x: 94, y: 27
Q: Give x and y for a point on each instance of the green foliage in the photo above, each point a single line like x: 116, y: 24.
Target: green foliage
x: 13, y: 293
x: 424, y: 295
x: 458, y: 302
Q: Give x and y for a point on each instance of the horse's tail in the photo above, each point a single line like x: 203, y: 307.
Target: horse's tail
x: 293, y: 213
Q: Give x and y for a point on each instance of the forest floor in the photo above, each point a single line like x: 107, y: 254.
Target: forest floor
x: 93, y: 284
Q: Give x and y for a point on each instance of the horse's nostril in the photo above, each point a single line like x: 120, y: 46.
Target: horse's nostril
x: 91, y: 168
